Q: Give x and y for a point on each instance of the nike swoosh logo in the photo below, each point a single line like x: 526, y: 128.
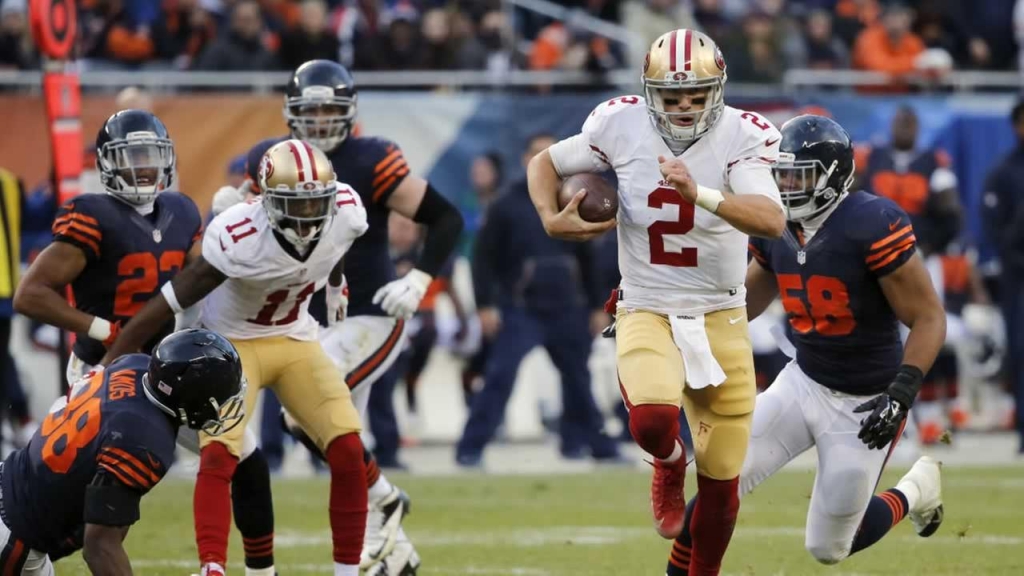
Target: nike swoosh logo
x: 154, y: 463
x: 769, y: 143
x: 893, y: 225
x: 735, y: 320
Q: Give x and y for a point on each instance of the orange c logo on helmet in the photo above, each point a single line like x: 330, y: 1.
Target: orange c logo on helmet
x: 719, y: 58
x: 647, y: 62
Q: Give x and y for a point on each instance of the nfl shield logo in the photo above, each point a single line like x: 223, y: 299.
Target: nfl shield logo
x: 801, y: 257
x: 157, y: 236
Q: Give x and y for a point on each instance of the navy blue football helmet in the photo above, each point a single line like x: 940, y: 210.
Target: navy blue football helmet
x: 320, y: 103
x: 815, y: 165
x: 195, y: 376
x: 134, y: 156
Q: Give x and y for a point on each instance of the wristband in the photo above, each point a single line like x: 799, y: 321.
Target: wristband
x: 906, y: 385
x: 172, y: 299
x: 99, y: 329
x: 709, y: 198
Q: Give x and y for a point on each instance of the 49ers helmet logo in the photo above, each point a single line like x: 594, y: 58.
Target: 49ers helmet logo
x: 719, y: 58
x: 266, y: 167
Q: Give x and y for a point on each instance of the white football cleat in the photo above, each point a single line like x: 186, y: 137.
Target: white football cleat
x: 383, y: 523
x: 403, y: 560
x: 924, y: 479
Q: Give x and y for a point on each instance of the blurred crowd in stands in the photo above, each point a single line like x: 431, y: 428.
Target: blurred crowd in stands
x: 761, y: 38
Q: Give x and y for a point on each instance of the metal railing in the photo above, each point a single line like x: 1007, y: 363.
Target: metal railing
x: 793, y: 82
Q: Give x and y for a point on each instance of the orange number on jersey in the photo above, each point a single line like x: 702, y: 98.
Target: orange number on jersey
x: 829, y: 313
x: 274, y: 300
x: 140, y: 271
x: 686, y: 257
x: 909, y: 191
x: 77, y: 423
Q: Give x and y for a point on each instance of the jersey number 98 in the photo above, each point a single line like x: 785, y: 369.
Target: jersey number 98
x: 76, y: 424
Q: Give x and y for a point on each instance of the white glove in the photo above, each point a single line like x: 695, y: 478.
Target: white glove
x: 228, y: 196
x: 337, y: 302
x: 401, y: 298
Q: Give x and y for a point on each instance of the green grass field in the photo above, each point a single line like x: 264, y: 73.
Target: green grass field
x: 598, y: 524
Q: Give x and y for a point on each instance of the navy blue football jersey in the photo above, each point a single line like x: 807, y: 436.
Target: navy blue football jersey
x: 846, y: 334
x: 108, y: 427
x: 128, y: 256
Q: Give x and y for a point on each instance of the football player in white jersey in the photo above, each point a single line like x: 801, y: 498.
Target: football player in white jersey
x: 695, y: 180
x: 261, y: 262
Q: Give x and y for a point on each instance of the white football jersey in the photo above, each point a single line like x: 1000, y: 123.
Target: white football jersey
x: 268, y: 289
x: 674, y: 257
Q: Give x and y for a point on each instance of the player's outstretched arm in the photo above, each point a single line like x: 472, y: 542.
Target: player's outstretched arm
x: 104, y: 552
x: 750, y: 212
x: 187, y: 288
x: 909, y: 291
x: 40, y: 293
x: 543, y: 181
x: 761, y: 289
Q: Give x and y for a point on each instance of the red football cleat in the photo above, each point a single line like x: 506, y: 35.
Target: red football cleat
x: 667, y: 502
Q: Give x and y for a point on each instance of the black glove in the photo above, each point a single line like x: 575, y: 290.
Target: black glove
x: 888, y: 410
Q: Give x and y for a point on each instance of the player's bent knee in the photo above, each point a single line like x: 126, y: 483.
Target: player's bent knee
x: 720, y: 455
x: 345, y: 453
x: 828, y: 554
x: 655, y: 428
x: 216, y: 460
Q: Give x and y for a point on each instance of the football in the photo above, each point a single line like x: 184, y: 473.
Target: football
x: 602, y: 200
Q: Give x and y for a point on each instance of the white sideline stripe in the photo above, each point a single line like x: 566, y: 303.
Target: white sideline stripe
x: 605, y: 535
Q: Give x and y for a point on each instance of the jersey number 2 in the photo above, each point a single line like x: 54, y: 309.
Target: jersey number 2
x: 274, y: 301
x: 141, y: 274
x: 76, y: 424
x: 829, y: 313
x: 685, y: 257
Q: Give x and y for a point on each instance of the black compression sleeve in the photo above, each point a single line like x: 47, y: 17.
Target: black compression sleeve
x: 111, y: 504
x: 444, y: 225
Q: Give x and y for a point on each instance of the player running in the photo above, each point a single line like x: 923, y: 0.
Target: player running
x: 694, y: 180
x: 320, y: 107
x: 77, y: 484
x: 116, y: 250
x: 848, y: 274
x: 261, y: 261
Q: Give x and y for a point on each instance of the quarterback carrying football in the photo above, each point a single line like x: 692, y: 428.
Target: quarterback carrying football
x: 694, y: 181
x: 848, y: 274
x: 261, y: 261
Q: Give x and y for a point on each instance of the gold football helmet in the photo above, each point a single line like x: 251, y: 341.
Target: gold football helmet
x: 684, y: 62
x: 298, y: 187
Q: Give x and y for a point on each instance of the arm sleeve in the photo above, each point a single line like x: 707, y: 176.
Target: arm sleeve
x: 756, y: 150
x: 444, y: 226
x: 389, y: 169
x: 890, y: 239
x: 75, y: 224
x: 759, y: 249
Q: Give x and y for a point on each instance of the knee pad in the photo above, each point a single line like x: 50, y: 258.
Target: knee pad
x: 655, y: 428
x: 215, y: 460
x: 720, y: 449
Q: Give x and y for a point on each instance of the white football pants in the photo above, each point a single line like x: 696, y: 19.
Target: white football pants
x: 794, y: 414
x: 364, y: 348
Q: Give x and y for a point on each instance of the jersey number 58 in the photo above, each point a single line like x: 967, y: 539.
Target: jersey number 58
x: 77, y: 424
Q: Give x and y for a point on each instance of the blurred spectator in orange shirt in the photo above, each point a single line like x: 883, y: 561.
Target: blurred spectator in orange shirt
x: 889, y: 46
